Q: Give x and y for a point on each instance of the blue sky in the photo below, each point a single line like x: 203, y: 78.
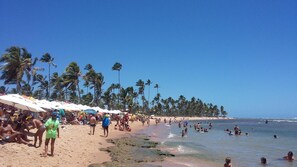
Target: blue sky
x: 235, y: 53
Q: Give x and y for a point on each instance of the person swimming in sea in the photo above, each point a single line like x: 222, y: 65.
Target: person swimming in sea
x: 290, y: 156
x: 228, y: 162
x: 263, y: 160
x: 183, y: 133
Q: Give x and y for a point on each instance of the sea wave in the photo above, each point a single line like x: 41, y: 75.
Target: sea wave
x: 285, y: 120
x: 180, y: 149
x: 171, y: 135
x: 183, y: 150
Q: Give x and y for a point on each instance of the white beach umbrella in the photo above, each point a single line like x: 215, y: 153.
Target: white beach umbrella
x: 100, y: 110
x: 19, y: 102
x: 44, y: 104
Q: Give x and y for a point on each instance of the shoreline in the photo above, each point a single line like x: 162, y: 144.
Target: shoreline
x: 75, y: 147
x: 157, y: 158
x: 192, y: 118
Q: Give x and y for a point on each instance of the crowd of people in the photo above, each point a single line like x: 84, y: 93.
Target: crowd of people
x: 237, y: 131
x: 17, y: 125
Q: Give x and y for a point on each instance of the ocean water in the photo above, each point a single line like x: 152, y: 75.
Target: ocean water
x: 217, y: 144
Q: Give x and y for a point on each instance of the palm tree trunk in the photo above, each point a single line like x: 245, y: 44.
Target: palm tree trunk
x: 149, y: 96
x: 18, y: 87
x: 78, y: 93
x: 49, y: 81
x: 119, y: 77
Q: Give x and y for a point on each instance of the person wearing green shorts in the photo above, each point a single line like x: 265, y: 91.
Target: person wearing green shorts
x: 52, y: 130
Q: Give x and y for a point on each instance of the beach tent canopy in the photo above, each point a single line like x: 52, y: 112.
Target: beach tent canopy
x: 113, y: 111
x: 20, y: 102
x: 90, y: 111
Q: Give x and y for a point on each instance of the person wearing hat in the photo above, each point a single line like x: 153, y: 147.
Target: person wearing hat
x: 52, y: 129
x: 105, y: 124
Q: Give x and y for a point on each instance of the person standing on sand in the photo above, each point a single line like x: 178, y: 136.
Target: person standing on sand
x: 105, y: 124
x: 52, y: 127
x: 36, y: 123
x: 92, y: 124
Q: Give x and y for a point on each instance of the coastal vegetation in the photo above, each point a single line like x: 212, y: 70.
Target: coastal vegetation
x: 20, y: 74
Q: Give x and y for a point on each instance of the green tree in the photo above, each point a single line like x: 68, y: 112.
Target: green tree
x: 117, y: 67
x: 157, y: 87
x: 95, y: 81
x: 3, y: 90
x: 223, y: 112
x: 148, y: 82
x: 57, y: 83
x: 140, y: 85
x: 71, y: 80
x: 47, y: 58
x: 17, y: 62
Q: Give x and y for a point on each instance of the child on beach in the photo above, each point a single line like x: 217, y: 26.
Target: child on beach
x: 228, y: 162
x: 52, y: 129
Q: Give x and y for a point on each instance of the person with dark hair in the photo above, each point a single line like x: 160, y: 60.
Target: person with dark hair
x: 52, y: 129
x: 92, y: 124
x: 263, y: 161
x: 228, y: 162
x: 36, y: 123
x: 105, y: 124
x: 7, y: 134
x: 290, y: 156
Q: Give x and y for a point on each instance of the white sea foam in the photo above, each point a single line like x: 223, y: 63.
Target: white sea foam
x: 180, y: 149
x: 171, y: 135
x: 284, y: 120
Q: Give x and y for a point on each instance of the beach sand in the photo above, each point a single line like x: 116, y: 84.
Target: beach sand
x: 75, y: 148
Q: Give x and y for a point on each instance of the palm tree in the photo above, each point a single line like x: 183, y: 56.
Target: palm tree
x: 87, y: 77
x: 140, y: 85
x: 42, y: 86
x: 17, y: 61
x: 71, y: 79
x: 148, y: 82
x: 3, y: 90
x: 97, y: 84
x: 117, y: 67
x: 57, y: 83
x: 223, y: 112
x: 95, y: 81
x: 47, y: 58
x: 157, y: 87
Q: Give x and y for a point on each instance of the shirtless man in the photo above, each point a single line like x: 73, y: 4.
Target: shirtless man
x: 9, y: 135
x: 92, y: 124
x: 290, y: 156
x: 36, y: 123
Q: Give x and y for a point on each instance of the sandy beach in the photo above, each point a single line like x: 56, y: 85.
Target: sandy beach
x: 75, y: 147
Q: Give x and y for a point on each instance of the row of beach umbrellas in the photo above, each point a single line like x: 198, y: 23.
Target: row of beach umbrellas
x: 35, y: 105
